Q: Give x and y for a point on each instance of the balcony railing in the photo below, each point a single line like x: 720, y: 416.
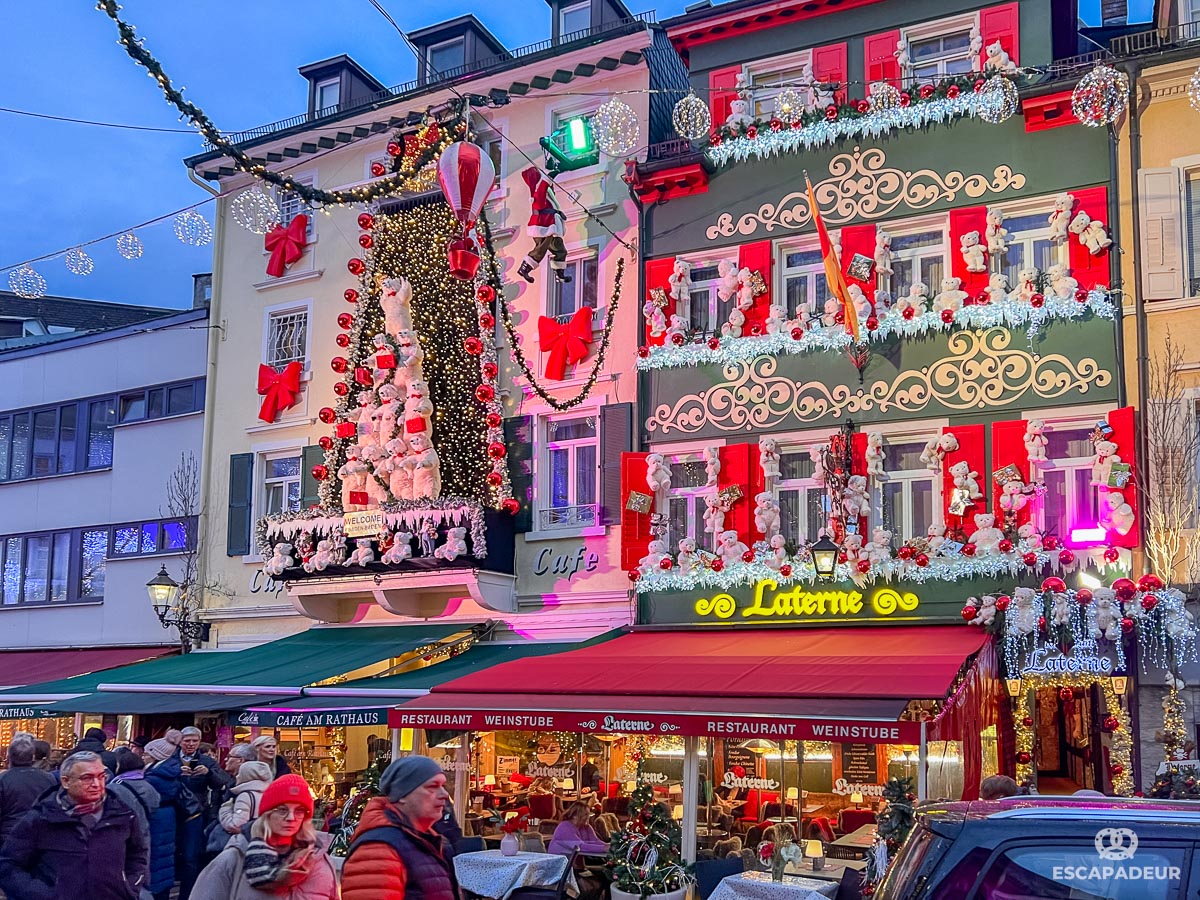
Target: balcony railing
x: 1156, y: 39
x: 440, y: 79
x: 568, y: 517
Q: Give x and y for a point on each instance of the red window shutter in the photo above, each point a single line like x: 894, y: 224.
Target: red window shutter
x: 829, y: 64
x: 859, y: 239
x: 971, y: 449
x: 858, y: 466
x: 1090, y: 270
x: 973, y: 218
x: 657, y: 273
x: 1001, y: 23
x: 1008, y: 448
x: 722, y: 90
x: 1124, y: 426
x: 635, y: 526
x: 879, y: 57
x: 757, y: 258
x: 739, y: 466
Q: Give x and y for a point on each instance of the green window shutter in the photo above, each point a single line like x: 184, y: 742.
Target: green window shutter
x: 312, y: 455
x: 518, y: 435
x: 616, y: 437
x: 241, y: 494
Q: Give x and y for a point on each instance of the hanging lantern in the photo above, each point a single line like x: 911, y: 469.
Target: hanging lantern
x: 78, y: 262
x: 691, y: 118
x: 466, y: 175
x: 26, y: 283
x: 1101, y: 96
x: 129, y: 245
x: 998, y: 100
x: 616, y: 128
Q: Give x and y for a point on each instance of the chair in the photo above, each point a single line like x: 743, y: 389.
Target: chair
x: 754, y: 836
x: 850, y: 887
x: 531, y: 842
x: 853, y: 819
x: 469, y: 845
x: 559, y: 892
x: 710, y: 872
x: 542, y: 806
x: 821, y: 828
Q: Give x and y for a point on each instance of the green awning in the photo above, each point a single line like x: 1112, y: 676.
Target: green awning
x: 129, y: 703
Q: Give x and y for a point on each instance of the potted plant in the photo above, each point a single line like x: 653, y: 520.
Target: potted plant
x: 509, y: 844
x: 645, y: 858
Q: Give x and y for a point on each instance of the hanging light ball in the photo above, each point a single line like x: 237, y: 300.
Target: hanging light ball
x: 129, y: 245
x: 26, y: 283
x: 616, y: 128
x: 193, y: 229
x: 1101, y: 96
x: 79, y: 263
x: 1194, y: 90
x: 691, y: 118
x: 998, y: 100
x: 255, y: 210
x: 789, y: 103
x: 884, y: 96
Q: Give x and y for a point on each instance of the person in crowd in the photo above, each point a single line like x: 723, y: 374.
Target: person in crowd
x: 41, y: 756
x: 575, y: 832
x: 996, y: 787
x: 206, y: 749
x: 283, y: 855
x: 138, y: 744
x: 129, y: 785
x: 20, y: 784
x: 606, y: 825
x: 589, y: 776
x: 244, y: 805
x: 447, y: 826
x: 238, y: 754
x: 78, y: 841
x: 395, y: 852
x: 206, y: 780
x: 96, y: 741
x: 266, y: 749
x: 164, y: 775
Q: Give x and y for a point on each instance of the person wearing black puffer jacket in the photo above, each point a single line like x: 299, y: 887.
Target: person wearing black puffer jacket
x: 20, y: 785
x: 96, y: 741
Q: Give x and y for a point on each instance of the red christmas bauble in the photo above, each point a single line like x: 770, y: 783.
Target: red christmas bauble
x: 981, y: 299
x: 473, y: 345
x: 948, y: 316
x: 785, y: 570
x: 1003, y: 602
x: 872, y: 322
x: 490, y: 369
x: 377, y: 169
x: 366, y: 241
x: 1084, y: 596
x: 718, y: 565
x: 864, y: 566
x: 643, y: 352
x: 926, y: 91
x: 748, y: 556
x: 1111, y: 723
x: 968, y: 612
x: 1066, y: 557
x: 831, y: 112
x: 839, y: 317
x: 1127, y: 625
x: 1037, y: 301
x: 1027, y: 721
x: 366, y: 221
x: 677, y: 339
x: 345, y: 321
x: 485, y: 393
x: 355, y: 266
x: 1030, y: 559
x: 863, y: 106
x: 1111, y: 555
x: 325, y: 442
x: 1024, y: 757
x: 1041, y: 623
x: 908, y: 312
x: 1065, y: 693
x: 797, y: 333
x: 341, y: 388
x: 905, y: 99
x: 714, y: 343
x: 1081, y: 295
x: 338, y: 364
x: 511, y: 506
x: 979, y: 83
x: 952, y: 91
x: 1054, y: 584
x: 756, y: 329
x: 921, y: 559
x: 1125, y: 588
x: 633, y: 574
x: 905, y: 552
x: 1005, y: 546
x: 493, y: 420
x: 497, y: 450
x: 362, y: 375
x: 968, y: 549
x: 715, y: 139
x: 394, y: 149
x: 843, y: 557
x: 350, y: 295
x: 776, y: 125
x: 320, y: 472
x: 485, y: 293
x: 1150, y: 582
x: 1116, y: 769
x: 342, y: 340
x: 1050, y: 543
x: 327, y: 415
x: 487, y: 321
x: 665, y: 563
x: 495, y: 479
x: 1149, y: 602
x: 752, y: 132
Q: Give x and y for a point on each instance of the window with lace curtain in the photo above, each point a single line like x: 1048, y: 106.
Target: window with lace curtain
x: 685, y: 501
x: 907, y: 495
x: 803, y: 504
x: 572, y: 473
x: 1070, y: 500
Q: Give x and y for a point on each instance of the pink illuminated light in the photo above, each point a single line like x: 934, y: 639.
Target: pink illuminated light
x: 1088, y: 537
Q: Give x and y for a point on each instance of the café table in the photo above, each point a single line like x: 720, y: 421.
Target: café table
x: 489, y: 873
x: 759, y: 886
x: 853, y: 845
x: 832, y: 870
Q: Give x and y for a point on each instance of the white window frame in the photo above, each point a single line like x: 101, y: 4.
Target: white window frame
x: 575, y: 255
x: 813, y: 271
x: 556, y: 116
x: 1189, y: 11
x: 760, y: 72
x: 909, y: 228
x: 902, y: 531
x: 1036, y: 206
x: 575, y: 515
x: 694, y: 497
x: 309, y: 179
x: 718, y: 310
x: 573, y: 7
x: 802, y: 486
x: 318, y: 108
x: 1069, y: 466
x: 938, y: 29
x: 1189, y: 167
x: 486, y: 139
x: 431, y: 73
x: 281, y: 309
x: 371, y: 159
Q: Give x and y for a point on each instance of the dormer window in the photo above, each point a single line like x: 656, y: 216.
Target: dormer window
x: 328, y: 94
x: 445, y: 57
x: 574, y: 17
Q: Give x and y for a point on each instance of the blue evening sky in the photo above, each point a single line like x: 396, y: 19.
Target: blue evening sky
x: 67, y: 183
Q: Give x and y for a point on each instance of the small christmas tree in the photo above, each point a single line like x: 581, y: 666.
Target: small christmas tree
x: 893, y: 825
x: 646, y: 856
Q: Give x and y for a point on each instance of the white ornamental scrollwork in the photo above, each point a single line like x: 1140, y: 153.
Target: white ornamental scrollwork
x: 981, y: 371
x: 863, y: 187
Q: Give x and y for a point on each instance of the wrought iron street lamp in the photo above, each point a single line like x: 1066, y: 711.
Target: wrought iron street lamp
x: 164, y: 597
x: 825, y: 556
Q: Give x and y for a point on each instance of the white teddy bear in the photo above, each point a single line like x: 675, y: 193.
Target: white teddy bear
x: 987, y: 611
x: 936, y: 449
x: 398, y: 468
x: 680, y: 280
x: 831, y: 310
x: 862, y: 306
x: 1035, y: 445
x: 427, y: 470
x: 418, y: 408
x: 1107, y: 622
x: 816, y: 454
x: 745, y: 292
x: 367, y: 418
x: 739, y: 118
x: 1117, y: 514
x: 874, y: 454
x: 855, y: 498
x: 400, y: 550
x: 689, y: 559
x: 658, y: 476
x: 1059, y: 219
x: 973, y: 253
x: 914, y: 299
x: 1091, y: 233
x: 1062, y: 285
x: 936, y: 535
x: 880, y: 549
x: 714, y: 516
x: 656, y: 319
x: 852, y: 546
x: 903, y: 59
x: 678, y: 326
x: 997, y: 289
x: 883, y: 252
x: 995, y: 233
x: 455, y: 546
x: 987, y: 536
x: 389, y: 412
x: 375, y: 458
x: 778, y: 555
x: 727, y: 286
x: 363, y: 553
x: 712, y: 465
x: 776, y: 319
x: 768, y: 459
x: 353, y: 475
x: 766, y: 515
x: 1012, y: 496
x: 1030, y: 540
x: 965, y: 479
x: 409, y: 359
x: 396, y: 300
x: 1060, y: 609
x: 976, y: 48
x: 883, y: 301
x: 950, y: 297
x: 730, y: 549
x: 1024, y: 617
x: 1102, y: 462
x: 280, y: 560
x: 652, y: 561
x: 733, y: 327
x: 1026, y: 284
x: 998, y: 59
x: 322, y: 559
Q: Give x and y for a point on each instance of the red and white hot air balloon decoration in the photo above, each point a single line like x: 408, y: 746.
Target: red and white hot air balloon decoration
x: 466, y: 174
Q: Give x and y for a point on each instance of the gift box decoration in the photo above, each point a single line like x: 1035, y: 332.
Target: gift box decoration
x: 358, y: 498
x: 658, y: 297
x: 385, y: 360
x: 1120, y: 475
x: 758, y: 286
x: 860, y: 267
x: 960, y: 502
x: 1102, y: 432
x: 346, y: 429
x: 1007, y: 474
x: 730, y: 495
x: 639, y: 502
x: 362, y: 375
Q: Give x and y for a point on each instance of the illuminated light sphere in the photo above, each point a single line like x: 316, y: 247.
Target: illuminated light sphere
x: 129, y: 245
x: 616, y: 128
x: 26, y: 283
x: 255, y: 210
x: 691, y: 118
x: 193, y: 229
x: 884, y: 96
x: 1100, y: 97
x: 789, y: 104
x: 998, y: 100
x: 79, y: 263
x: 1194, y: 90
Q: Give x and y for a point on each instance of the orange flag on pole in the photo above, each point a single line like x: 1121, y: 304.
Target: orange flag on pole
x: 833, y: 268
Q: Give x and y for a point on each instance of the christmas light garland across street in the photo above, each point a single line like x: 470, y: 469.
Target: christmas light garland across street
x: 1010, y: 313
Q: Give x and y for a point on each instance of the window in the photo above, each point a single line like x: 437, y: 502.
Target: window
x: 574, y: 18
x: 149, y: 538
x: 101, y: 416
x: 572, y: 473
x: 1070, y: 500
x: 160, y: 402
x: 93, y: 555
x: 803, y: 504
x: 804, y: 282
x: 768, y: 79
x: 908, y: 493
x: 580, y: 291
x: 493, y: 146
x: 1191, y: 198
x: 444, y: 58
x: 937, y: 57
x: 328, y: 95
x: 291, y: 204
x: 281, y: 483
x: 918, y: 257
x: 287, y: 337
x: 703, y: 311
x: 1029, y: 245
x: 1066, y: 870
x: 685, y: 502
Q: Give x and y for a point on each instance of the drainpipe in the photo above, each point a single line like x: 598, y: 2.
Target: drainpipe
x: 1115, y: 268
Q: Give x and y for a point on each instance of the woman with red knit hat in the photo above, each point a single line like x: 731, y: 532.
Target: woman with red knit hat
x: 279, y: 855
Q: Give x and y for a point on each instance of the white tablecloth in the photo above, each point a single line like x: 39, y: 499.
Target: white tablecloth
x: 489, y: 873
x: 759, y: 886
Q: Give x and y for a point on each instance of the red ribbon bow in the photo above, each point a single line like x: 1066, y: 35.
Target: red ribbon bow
x: 286, y: 245
x: 280, y: 389
x: 565, y: 343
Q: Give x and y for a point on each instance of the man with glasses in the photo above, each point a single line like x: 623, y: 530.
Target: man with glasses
x: 77, y: 841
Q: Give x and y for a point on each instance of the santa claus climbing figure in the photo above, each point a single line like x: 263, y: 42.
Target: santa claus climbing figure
x: 545, y: 227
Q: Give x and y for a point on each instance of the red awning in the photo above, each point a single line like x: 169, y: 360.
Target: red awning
x: 21, y: 667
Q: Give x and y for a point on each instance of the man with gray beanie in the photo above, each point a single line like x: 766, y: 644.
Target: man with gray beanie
x: 395, y: 849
